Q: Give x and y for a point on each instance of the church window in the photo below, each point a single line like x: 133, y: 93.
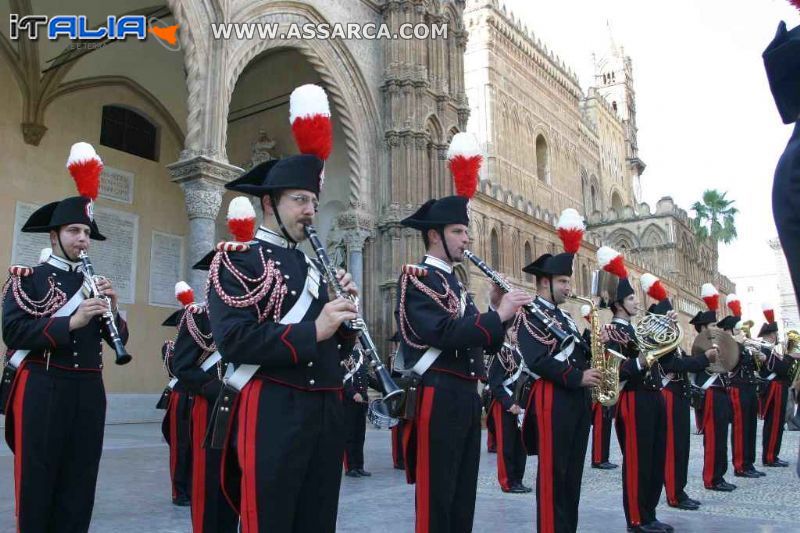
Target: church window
x: 128, y: 131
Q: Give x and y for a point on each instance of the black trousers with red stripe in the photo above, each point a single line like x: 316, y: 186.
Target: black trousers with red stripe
x: 676, y: 460
x: 211, y: 512
x: 445, y: 439
x: 562, y: 417
x: 511, y: 456
x: 55, y: 429
x: 641, y: 429
x: 774, y: 419
x: 602, y: 420
x: 287, y: 468
x: 397, y: 444
x: 744, y: 407
x: 716, y: 417
x: 177, y: 431
x: 355, y: 415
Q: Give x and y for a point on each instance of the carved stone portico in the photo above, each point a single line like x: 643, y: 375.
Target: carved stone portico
x: 203, y: 181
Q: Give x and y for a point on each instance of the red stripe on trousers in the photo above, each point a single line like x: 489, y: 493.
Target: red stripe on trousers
x: 174, y: 399
x: 199, y: 423
x: 248, y: 417
x: 776, y: 419
x: 423, y: 461
x: 669, y: 463
x: 709, y: 439
x: 738, y: 430
x: 544, y: 412
x: 502, y: 471
x: 631, y: 456
x: 17, y: 408
x: 597, y: 434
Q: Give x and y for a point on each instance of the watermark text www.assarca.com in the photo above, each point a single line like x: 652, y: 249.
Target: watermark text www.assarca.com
x: 309, y: 31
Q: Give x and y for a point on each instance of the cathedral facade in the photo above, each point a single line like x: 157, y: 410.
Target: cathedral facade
x: 174, y: 124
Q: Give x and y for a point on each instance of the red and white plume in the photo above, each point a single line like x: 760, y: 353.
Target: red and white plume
x: 464, y: 159
x: 310, y: 117
x: 612, y: 261
x: 184, y: 293
x: 241, y: 219
x: 85, y: 167
x: 795, y: 3
x: 769, y: 312
x: 570, y: 229
x: 586, y: 311
x: 733, y: 303
x: 653, y: 287
x: 710, y: 296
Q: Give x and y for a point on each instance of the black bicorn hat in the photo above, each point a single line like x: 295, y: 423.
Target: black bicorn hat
x: 72, y: 210
x: 782, y: 63
x: 547, y: 265
x: 174, y: 318
x: 729, y: 322
x: 767, y: 328
x: 438, y: 213
x: 703, y: 318
x: 302, y: 171
x: 661, y: 307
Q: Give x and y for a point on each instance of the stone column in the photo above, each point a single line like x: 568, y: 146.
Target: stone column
x: 354, y: 240
x: 202, y: 180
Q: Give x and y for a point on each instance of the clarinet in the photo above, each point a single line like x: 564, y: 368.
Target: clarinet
x: 123, y: 357
x: 392, y: 394
x: 564, y: 338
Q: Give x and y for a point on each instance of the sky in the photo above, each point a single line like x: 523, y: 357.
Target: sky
x: 705, y: 114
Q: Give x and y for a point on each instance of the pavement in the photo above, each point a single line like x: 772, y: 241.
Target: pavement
x: 133, y: 493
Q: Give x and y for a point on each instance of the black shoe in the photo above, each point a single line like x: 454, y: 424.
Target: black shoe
x: 605, y: 466
x: 759, y: 472
x: 777, y: 463
x: 353, y: 473
x: 686, y: 505
x: 646, y: 528
x: 696, y: 502
x: 722, y: 486
x: 663, y: 525
x: 182, y: 501
x: 362, y: 472
x: 746, y: 473
x: 527, y: 488
x: 399, y: 467
x: 516, y: 489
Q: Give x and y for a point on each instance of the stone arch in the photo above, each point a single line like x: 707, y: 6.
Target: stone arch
x: 343, y: 80
x: 527, y: 259
x: 542, y: 158
x: 495, y: 255
x: 622, y: 240
x: 616, y: 201
x: 653, y: 236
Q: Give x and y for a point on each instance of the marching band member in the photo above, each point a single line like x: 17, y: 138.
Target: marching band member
x: 443, y: 336
x: 744, y: 398
x: 716, y: 406
x: 56, y: 407
x: 776, y: 370
x: 641, y: 416
x: 398, y: 429
x: 356, y: 381
x: 602, y: 418
x: 505, y: 370
x: 558, y: 410
x: 676, y: 391
x: 271, y: 317
x: 176, y: 425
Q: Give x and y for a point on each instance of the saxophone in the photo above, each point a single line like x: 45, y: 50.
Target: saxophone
x: 607, y: 362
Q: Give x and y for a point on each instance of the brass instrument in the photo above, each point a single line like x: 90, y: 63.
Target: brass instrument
x: 656, y: 336
x: 747, y: 326
x: 607, y: 362
x: 727, y: 349
x: 793, y: 351
x: 792, y: 342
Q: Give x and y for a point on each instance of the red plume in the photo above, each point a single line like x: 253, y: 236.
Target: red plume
x: 85, y: 167
x: 734, y: 305
x: 570, y: 229
x: 241, y: 219
x: 310, y: 117
x: 612, y: 261
x: 795, y: 3
x: 184, y: 293
x: 710, y: 296
x: 653, y: 287
x: 464, y: 159
x: 769, y: 313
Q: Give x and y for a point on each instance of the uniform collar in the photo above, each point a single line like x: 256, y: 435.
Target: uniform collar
x: 267, y: 235
x: 549, y: 305
x: 622, y: 321
x: 64, y: 264
x: 438, y: 263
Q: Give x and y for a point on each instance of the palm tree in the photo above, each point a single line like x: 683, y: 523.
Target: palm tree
x: 715, y: 217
